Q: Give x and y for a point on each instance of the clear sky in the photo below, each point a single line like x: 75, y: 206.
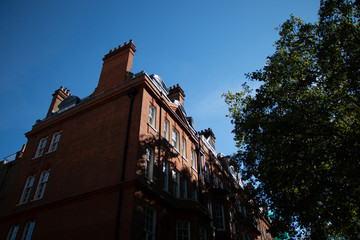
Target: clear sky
x: 205, y: 46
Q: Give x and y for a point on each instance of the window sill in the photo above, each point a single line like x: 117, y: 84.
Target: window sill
x: 35, y: 199
x: 152, y: 127
x: 20, y: 204
x: 51, y: 151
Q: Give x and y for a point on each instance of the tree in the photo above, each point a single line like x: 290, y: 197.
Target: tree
x: 298, y: 135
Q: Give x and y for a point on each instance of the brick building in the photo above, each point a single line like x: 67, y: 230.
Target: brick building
x: 123, y: 163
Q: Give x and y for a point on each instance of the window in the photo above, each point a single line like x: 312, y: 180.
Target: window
x: 184, y: 147
x: 184, y: 187
x: 54, y: 141
x: 149, y: 163
x: 40, y: 190
x: 12, y: 232
x: 216, y: 182
x: 202, y: 233
x: 165, y: 170
x: 28, y: 230
x: 167, y: 130
x: 239, y: 206
x: 175, y: 139
x: 210, y: 213
x: 41, y: 147
x: 193, y: 159
x: 195, y: 197
x: 232, y: 221
x: 149, y: 222
x: 219, y: 217
x: 175, y: 186
x: 212, y: 143
x: 27, y: 189
x: 207, y: 173
x: 182, y: 230
x: 152, y: 116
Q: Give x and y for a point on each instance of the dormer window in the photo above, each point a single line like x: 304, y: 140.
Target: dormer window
x: 212, y: 143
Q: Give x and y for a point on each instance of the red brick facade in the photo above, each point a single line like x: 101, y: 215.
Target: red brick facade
x: 123, y: 163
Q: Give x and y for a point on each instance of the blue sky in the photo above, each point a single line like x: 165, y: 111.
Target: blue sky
x: 205, y: 46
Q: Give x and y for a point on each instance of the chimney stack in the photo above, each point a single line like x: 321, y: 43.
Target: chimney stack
x: 58, y: 96
x: 176, y: 93
x: 116, y: 64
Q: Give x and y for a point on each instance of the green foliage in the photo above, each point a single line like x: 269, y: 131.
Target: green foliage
x: 299, y: 135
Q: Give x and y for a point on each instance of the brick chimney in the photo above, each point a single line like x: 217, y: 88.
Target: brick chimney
x: 58, y: 96
x: 116, y: 64
x: 176, y: 93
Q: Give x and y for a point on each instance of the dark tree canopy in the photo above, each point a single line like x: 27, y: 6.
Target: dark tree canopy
x: 298, y: 135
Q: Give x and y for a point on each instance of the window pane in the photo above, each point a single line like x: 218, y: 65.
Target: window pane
x: 149, y: 163
x: 183, y: 230
x: 12, y: 232
x: 54, y: 142
x: 149, y: 222
x: 152, y: 116
x: 28, y: 230
x: 184, y: 147
x: 175, y: 139
x: 167, y: 130
x: 219, y: 217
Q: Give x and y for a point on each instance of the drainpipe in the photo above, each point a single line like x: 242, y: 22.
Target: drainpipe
x: 159, y: 143
x: 131, y: 93
x: 198, y: 150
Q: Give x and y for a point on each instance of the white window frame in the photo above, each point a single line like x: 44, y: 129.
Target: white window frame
x: 41, y: 147
x: 54, y: 141
x: 152, y: 116
x: 219, y: 217
x: 175, y: 139
x: 149, y: 222
x: 175, y: 180
x: 167, y: 129
x: 27, y: 190
x: 149, y: 163
x: 28, y: 230
x: 182, y: 230
x: 12, y: 232
x: 184, y: 147
x: 165, y: 170
x: 40, y: 189
x: 193, y: 159
x: 207, y: 173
